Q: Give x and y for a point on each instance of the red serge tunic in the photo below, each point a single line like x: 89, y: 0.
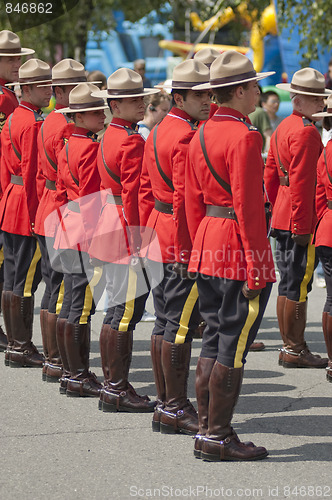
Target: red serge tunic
x: 8, y: 102
x: 119, y: 164
x: 79, y: 182
x: 19, y: 202
x: 55, y: 132
x: 323, y: 235
x: 174, y: 134
x: 299, y: 145
x: 226, y: 248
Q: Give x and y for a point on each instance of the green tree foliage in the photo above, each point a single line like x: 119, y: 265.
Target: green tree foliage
x: 313, y: 19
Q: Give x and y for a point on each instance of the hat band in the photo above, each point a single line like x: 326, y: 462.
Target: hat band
x: 329, y: 110
x: 233, y: 78
x: 189, y: 85
x: 58, y: 81
x: 84, y: 105
x: 35, y: 79
x: 307, y: 89
x: 13, y: 51
x: 111, y: 92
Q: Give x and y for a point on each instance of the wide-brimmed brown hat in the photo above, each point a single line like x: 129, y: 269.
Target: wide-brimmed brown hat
x: 328, y: 111
x: 231, y: 68
x: 307, y: 81
x: 207, y: 56
x: 10, y: 45
x: 124, y: 82
x: 82, y: 98
x: 33, y: 71
x: 68, y: 72
x: 186, y: 75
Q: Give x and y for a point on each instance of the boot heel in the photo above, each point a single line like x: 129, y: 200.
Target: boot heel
x: 15, y: 364
x: 53, y: 380
x: 62, y: 390
x: 208, y: 457
x: 73, y: 394
x: 6, y: 361
x: 43, y: 376
x: 107, y: 407
x: 197, y: 454
x: 286, y: 364
x: 100, y: 405
x: 155, y: 426
x: 167, y: 429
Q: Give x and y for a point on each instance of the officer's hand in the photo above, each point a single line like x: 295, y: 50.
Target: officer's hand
x: 182, y: 270
x: 273, y: 233
x: 301, y: 239
x: 248, y: 293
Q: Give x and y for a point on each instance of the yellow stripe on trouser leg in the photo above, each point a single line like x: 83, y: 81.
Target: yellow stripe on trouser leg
x: 186, y: 315
x: 309, y: 270
x: 31, y: 272
x: 61, y: 294
x: 1, y: 257
x: 97, y: 274
x: 243, y: 339
x: 130, y: 301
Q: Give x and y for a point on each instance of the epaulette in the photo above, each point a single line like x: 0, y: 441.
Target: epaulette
x: 306, y: 121
x: 250, y: 126
x: 38, y: 116
x: 130, y: 131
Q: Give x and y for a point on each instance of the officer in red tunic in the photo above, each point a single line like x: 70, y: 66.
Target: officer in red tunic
x: 231, y: 252
x: 117, y: 239
x: 78, y: 183
x: 11, y: 53
x: 18, y: 209
x: 323, y: 233
x: 162, y: 209
x: 54, y: 132
x: 290, y: 178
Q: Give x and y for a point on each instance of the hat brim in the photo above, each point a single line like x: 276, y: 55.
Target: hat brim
x: 170, y: 86
x: 259, y: 76
x: 82, y: 110
x: 24, y: 52
x: 322, y: 114
x: 287, y: 86
x: 105, y: 95
x: 59, y: 84
x: 31, y: 83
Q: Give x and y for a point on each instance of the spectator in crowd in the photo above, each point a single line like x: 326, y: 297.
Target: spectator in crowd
x: 139, y: 67
x: 261, y: 121
x: 270, y: 103
x: 157, y: 107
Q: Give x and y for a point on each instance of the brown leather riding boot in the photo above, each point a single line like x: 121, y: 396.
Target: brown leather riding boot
x: 54, y: 365
x: 327, y: 329
x: 178, y: 414
x: 281, y: 301
x: 43, y: 329
x: 296, y: 353
x: 118, y: 394
x: 221, y: 441
x: 82, y: 382
x: 24, y: 352
x: 6, y: 297
x: 257, y: 346
x: 159, y: 379
x: 203, y: 372
x: 60, y: 339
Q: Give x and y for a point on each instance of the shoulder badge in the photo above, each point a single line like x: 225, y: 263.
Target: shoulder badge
x: 306, y: 121
x: 249, y: 126
x: 38, y: 117
x: 1, y: 91
x: 65, y: 140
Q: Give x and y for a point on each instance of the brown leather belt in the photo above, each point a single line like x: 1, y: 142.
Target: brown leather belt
x: 114, y: 200
x: 164, y: 208
x: 16, y: 179
x: 283, y: 181
x: 74, y: 206
x: 50, y: 185
x: 329, y: 204
x: 221, y: 212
